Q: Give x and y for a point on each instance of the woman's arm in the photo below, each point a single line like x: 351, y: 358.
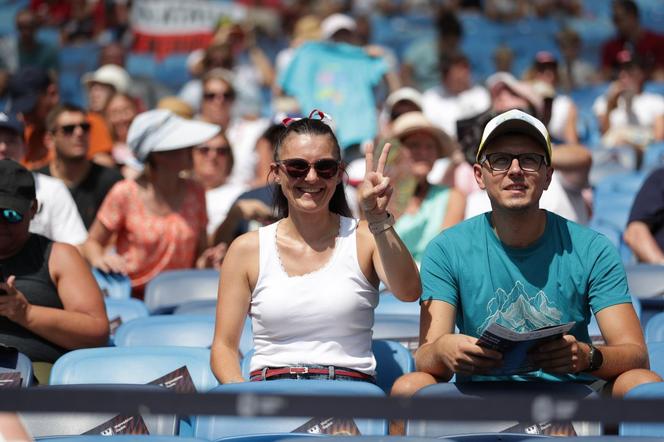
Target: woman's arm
x: 82, y: 321
x: 238, y: 275
x: 94, y: 250
x: 391, y: 259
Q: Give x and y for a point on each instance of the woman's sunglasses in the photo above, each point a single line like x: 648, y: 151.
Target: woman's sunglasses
x: 11, y: 216
x: 325, y: 168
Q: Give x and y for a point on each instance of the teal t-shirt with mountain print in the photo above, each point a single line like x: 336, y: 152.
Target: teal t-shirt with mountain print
x: 568, y: 273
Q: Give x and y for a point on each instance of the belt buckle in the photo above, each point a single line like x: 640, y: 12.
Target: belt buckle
x: 298, y: 370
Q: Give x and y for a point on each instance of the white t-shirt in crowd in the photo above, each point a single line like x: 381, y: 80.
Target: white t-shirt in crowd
x: 444, y: 109
x: 560, y: 109
x: 646, y: 108
x: 218, y: 202
x: 243, y: 134
x: 57, y: 217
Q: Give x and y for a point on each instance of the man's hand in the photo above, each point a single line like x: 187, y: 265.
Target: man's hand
x: 564, y: 355
x: 13, y: 305
x: 212, y: 256
x: 110, y: 263
x: 461, y: 355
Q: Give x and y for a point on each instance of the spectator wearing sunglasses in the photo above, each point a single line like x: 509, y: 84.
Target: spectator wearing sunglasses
x: 310, y: 281
x: 57, y: 217
x: 68, y: 138
x: 158, y: 219
x: 524, y: 268
x: 213, y: 163
x: 50, y: 302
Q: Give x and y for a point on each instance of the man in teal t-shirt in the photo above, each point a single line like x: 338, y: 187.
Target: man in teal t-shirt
x: 524, y: 268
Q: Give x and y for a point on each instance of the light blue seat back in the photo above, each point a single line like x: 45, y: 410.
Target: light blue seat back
x: 487, y: 389
x: 655, y: 329
x: 214, y: 427
x: 202, y: 307
x: 132, y: 365
x: 404, y: 329
x: 388, y: 304
x: 180, y: 330
x: 125, y: 309
x: 653, y: 157
x: 656, y: 354
x: 172, y: 288
x: 645, y: 391
x: 645, y: 280
x: 121, y: 438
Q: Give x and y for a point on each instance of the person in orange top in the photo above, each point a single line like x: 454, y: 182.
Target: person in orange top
x: 159, y: 219
x: 33, y: 94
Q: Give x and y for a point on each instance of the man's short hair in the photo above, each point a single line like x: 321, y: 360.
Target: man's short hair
x: 54, y: 114
x: 629, y: 6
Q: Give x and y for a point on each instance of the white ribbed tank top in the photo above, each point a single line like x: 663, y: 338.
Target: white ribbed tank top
x: 320, y: 318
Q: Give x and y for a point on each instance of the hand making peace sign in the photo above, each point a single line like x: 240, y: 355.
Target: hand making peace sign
x: 375, y: 191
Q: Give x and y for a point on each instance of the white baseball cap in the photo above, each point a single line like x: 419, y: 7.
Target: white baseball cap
x: 335, y: 23
x: 516, y: 121
x: 160, y: 130
x: 109, y: 74
x: 403, y: 94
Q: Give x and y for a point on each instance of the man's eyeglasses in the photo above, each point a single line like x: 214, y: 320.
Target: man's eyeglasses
x: 325, y: 168
x: 501, y: 162
x: 11, y: 216
x: 69, y: 129
x: 205, y: 150
x: 209, y: 96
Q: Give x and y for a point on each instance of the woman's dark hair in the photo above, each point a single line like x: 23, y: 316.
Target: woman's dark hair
x: 310, y: 126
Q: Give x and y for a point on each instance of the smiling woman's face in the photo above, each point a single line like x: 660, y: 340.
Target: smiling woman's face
x: 310, y: 193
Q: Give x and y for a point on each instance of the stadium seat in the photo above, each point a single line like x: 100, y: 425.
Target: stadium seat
x: 486, y: 389
x: 392, y: 360
x: 645, y: 391
x: 132, y: 365
x: 645, y: 280
x: 141, y: 65
x: 585, y: 97
x: 172, y: 71
x: 628, y: 183
x: 172, y: 288
x: 656, y: 354
x: 491, y: 437
x: 175, y: 330
x: 214, y: 427
x: 653, y: 157
x: 609, y: 163
x: 125, y: 309
x: 388, y: 304
x: 47, y: 425
x: 137, y: 438
x: 404, y: 329
x: 278, y: 437
x: 202, y: 307
x: 11, y: 361
x: 655, y: 329
x: 113, y: 285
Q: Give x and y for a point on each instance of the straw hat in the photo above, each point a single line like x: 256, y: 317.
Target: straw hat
x: 412, y: 122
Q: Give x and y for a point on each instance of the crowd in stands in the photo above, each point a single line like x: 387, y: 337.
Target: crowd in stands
x: 342, y: 137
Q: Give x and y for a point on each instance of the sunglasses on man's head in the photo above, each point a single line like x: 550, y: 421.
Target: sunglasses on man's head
x: 209, y: 96
x: 11, y: 216
x: 69, y: 129
x: 325, y: 168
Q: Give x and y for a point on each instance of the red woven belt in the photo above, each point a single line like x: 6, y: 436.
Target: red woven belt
x: 271, y: 372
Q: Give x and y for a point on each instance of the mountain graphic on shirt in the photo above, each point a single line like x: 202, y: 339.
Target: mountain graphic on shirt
x: 519, y: 311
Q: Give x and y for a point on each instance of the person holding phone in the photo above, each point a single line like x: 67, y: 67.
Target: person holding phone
x: 310, y: 281
x: 51, y: 302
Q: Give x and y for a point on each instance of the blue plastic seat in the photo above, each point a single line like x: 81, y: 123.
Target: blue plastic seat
x: 653, y: 157
x: 644, y: 391
x: 214, y: 427
x: 132, y: 365
x: 127, y: 438
x: 401, y: 328
x: 58, y: 424
x: 141, y: 65
x: 656, y: 354
x: 645, y: 280
x: 125, y: 309
x: 172, y: 71
x: 175, y: 330
x: 23, y: 365
x: 487, y: 389
x: 388, y: 304
x: 277, y: 437
x: 202, y: 307
x: 114, y: 285
x: 655, y: 328
x: 172, y: 288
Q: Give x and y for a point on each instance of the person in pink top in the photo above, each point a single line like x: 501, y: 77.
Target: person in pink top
x: 159, y: 219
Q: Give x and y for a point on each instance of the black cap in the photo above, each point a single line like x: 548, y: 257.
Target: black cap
x: 9, y: 121
x: 25, y: 87
x: 17, y: 187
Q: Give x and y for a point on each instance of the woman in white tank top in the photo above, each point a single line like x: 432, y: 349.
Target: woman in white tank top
x: 309, y: 281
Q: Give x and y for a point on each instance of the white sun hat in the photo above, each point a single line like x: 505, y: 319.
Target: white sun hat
x: 160, y: 130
